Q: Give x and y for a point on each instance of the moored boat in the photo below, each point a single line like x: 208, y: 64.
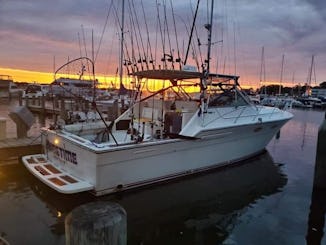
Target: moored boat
x: 156, y: 139
x: 8, y: 88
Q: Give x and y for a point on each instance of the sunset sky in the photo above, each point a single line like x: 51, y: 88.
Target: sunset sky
x: 39, y: 36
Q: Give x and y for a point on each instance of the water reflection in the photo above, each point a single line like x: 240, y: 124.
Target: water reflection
x: 201, y: 209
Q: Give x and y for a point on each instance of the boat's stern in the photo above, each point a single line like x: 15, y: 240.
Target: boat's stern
x: 54, y: 177
x: 64, y: 166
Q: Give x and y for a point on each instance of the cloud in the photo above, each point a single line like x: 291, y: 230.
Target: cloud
x: 43, y: 28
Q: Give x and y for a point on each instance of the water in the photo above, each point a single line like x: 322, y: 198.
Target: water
x: 264, y: 200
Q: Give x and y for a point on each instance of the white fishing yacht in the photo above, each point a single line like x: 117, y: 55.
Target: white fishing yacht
x: 158, y: 137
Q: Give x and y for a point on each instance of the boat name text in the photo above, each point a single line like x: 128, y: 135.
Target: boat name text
x: 62, y: 153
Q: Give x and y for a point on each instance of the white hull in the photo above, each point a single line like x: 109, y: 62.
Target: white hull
x: 120, y: 168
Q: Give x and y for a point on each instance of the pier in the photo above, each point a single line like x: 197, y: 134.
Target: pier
x: 64, y: 107
x: 16, y: 147
x: 43, y: 107
x: 54, y: 106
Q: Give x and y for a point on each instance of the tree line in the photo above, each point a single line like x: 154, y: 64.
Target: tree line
x: 297, y: 90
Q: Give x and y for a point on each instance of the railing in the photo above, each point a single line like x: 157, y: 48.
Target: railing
x: 242, y: 109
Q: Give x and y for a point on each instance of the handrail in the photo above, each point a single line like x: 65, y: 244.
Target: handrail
x: 223, y: 116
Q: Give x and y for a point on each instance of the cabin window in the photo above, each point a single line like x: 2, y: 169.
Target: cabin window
x: 227, y: 98
x: 222, y: 99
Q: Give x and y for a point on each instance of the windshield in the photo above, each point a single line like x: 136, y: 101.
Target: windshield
x: 230, y: 97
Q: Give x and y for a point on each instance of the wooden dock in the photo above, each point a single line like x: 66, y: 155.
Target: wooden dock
x: 44, y: 106
x: 15, y: 147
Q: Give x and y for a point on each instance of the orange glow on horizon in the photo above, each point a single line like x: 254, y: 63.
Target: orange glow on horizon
x: 47, y: 77
x: 110, y: 81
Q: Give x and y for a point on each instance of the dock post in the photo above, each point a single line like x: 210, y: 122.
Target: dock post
x: 55, y: 102
x: 23, y: 118
x: 43, y: 111
x: 3, y: 128
x: 97, y: 223
x: 316, y: 219
x: 86, y: 103
x: 320, y: 165
x: 63, y: 111
x: 20, y: 99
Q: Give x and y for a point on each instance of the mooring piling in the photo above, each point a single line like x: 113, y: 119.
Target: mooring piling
x: 97, y: 223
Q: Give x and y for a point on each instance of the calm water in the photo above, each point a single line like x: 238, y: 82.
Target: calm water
x: 264, y: 200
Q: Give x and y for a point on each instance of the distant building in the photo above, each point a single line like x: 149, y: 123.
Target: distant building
x: 318, y: 92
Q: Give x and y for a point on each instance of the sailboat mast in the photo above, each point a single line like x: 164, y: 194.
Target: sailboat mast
x: 121, y: 42
x: 279, y: 88
x: 261, y: 67
x: 310, y: 75
x: 310, y: 70
x: 93, y: 69
x: 262, y: 70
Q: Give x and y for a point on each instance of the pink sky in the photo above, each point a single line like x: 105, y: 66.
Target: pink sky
x: 32, y: 33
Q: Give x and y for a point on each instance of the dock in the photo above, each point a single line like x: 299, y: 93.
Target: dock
x: 63, y: 107
x: 18, y: 147
x: 45, y: 106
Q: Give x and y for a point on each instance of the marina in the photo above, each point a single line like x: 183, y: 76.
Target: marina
x: 159, y: 137
x: 263, y: 199
x: 138, y: 130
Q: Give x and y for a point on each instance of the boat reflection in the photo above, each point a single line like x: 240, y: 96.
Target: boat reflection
x: 201, y: 209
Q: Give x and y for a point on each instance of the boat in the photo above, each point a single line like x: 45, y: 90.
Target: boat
x: 321, y: 102
x: 35, y: 90
x: 8, y: 88
x: 158, y: 138
x: 71, y: 87
x: 308, y: 101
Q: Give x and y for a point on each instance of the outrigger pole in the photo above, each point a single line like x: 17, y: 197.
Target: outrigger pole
x: 206, y: 70
x: 121, y: 43
x: 191, y: 32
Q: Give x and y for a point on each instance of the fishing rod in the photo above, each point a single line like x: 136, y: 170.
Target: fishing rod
x: 176, y: 36
x: 108, y: 127
x: 191, y: 32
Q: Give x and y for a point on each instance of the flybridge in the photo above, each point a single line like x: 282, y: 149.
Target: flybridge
x: 167, y: 74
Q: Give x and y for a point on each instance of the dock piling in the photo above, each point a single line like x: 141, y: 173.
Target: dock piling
x: 316, y: 219
x: 23, y: 118
x: 320, y: 165
x: 97, y: 223
x: 3, y: 128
